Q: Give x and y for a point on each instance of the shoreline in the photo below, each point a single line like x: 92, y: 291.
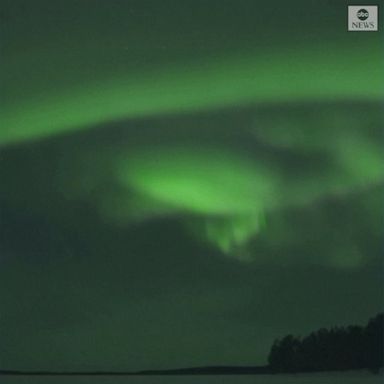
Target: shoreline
x: 195, y: 371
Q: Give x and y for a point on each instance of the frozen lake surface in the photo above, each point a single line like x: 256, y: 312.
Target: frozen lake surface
x: 321, y: 378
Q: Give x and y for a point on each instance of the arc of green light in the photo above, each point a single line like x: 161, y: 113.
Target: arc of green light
x: 276, y: 76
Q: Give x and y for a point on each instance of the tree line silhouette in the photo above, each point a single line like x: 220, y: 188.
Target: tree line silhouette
x: 338, y: 348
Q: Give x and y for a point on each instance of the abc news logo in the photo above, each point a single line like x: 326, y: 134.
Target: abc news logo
x: 363, y: 14
x: 362, y: 18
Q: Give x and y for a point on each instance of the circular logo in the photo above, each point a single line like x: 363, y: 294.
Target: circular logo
x: 362, y: 14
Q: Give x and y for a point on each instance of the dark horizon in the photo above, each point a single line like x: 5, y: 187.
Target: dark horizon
x: 370, y: 356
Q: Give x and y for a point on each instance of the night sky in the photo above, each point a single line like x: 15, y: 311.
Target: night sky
x: 182, y: 182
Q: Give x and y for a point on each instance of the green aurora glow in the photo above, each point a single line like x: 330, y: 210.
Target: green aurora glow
x: 143, y: 140
x: 215, y: 181
x: 214, y: 83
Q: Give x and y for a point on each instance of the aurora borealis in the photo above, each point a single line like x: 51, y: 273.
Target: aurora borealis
x: 178, y: 180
